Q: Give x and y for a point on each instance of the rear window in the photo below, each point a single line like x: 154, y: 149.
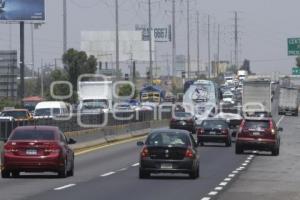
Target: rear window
x: 254, y: 124
x: 165, y: 139
x: 33, y: 135
x: 183, y: 114
x: 214, y: 124
x: 15, y: 114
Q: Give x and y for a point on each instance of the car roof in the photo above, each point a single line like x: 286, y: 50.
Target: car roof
x: 41, y: 128
x: 166, y: 130
x: 51, y: 104
x: 14, y: 110
x: 258, y: 118
x: 214, y: 119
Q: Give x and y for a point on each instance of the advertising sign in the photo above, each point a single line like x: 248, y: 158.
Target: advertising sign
x: 161, y: 34
x: 22, y: 10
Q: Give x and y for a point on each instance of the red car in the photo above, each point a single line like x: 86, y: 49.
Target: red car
x: 37, y: 149
x: 258, y: 134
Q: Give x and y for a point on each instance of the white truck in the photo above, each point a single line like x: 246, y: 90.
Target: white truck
x: 95, y: 96
x: 242, y: 74
x: 256, y: 97
x: 288, y: 101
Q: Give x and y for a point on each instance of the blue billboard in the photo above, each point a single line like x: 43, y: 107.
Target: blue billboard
x: 22, y: 10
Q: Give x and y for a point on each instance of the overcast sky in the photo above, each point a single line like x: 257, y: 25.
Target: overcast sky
x: 264, y: 26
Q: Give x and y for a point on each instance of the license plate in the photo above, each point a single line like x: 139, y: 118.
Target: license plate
x: 256, y: 133
x: 166, y: 166
x: 31, y: 152
x: 212, y: 133
x: 183, y: 123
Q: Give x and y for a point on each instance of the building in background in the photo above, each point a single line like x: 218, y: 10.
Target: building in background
x: 8, y: 74
x: 219, y: 67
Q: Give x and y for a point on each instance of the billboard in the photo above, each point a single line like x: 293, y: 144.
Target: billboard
x: 22, y: 10
x: 161, y: 34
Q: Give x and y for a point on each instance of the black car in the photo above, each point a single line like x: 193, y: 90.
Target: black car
x: 184, y: 121
x: 169, y: 151
x: 214, y: 130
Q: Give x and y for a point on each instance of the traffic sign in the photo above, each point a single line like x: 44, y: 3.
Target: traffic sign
x: 296, y: 71
x: 293, y: 46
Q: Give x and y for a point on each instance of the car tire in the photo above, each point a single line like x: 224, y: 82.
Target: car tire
x: 143, y: 174
x: 201, y: 144
x: 194, y: 174
x: 71, y: 171
x: 228, y: 143
x: 62, y: 173
x: 275, y: 151
x: 238, y: 149
x: 15, y: 174
x: 5, y: 174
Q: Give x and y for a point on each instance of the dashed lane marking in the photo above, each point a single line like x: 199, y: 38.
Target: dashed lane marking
x: 135, y: 165
x: 64, y: 187
x: 108, y: 174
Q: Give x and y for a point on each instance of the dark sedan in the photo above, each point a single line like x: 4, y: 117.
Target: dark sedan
x: 169, y: 151
x: 184, y: 121
x: 214, y: 130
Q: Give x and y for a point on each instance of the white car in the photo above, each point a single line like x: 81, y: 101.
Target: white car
x: 228, y: 97
x: 2, y: 3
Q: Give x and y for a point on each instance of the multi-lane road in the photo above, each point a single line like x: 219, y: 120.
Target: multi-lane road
x: 111, y: 172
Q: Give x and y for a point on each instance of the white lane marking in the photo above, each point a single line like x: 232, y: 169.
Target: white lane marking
x: 218, y: 188
x: 235, y: 172
x: 240, y: 168
x: 245, y: 164
x: 64, y: 187
x: 223, y: 183
x: 135, y: 165
x: 227, y: 179
x: 108, y: 174
x: 277, y: 124
x: 247, y: 161
x: 231, y: 175
x: 213, y: 193
x: 205, y: 198
x: 120, y: 170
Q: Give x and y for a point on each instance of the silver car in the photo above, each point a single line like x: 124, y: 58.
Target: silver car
x: 2, y: 3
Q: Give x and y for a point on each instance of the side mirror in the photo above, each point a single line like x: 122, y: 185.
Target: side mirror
x: 71, y: 141
x: 140, y: 143
x: 280, y: 129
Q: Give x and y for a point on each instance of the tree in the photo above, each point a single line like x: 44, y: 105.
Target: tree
x: 298, y: 61
x: 78, y: 63
x: 126, y: 90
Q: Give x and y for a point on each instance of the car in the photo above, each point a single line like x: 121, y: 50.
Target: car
x: 169, y: 151
x: 183, y: 120
x: 50, y: 109
x: 37, y: 149
x: 2, y: 3
x: 260, y: 134
x: 17, y: 114
x: 214, y: 130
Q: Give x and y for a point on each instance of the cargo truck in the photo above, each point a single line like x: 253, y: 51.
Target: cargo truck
x: 288, y: 101
x: 256, y: 97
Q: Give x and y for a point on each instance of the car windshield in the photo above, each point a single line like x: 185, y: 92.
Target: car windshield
x: 209, y: 124
x: 227, y: 96
x: 256, y: 125
x: 14, y: 114
x: 166, y: 139
x: 47, y: 112
x: 94, y: 104
x: 183, y: 114
x: 33, y: 135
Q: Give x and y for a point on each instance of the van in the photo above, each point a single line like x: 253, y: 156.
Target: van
x: 51, y: 109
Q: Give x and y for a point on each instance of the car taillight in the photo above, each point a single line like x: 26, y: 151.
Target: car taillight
x: 189, y: 153
x: 200, y: 131
x: 10, y: 148
x: 272, y: 130
x: 53, y: 149
x: 225, y: 131
x: 145, y: 152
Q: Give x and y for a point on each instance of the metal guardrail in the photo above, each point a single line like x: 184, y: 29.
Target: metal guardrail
x: 90, y: 121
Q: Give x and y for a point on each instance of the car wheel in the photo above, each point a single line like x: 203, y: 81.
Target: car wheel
x: 194, y: 174
x: 238, y: 149
x: 228, y: 143
x: 62, y: 173
x: 15, y: 174
x: 275, y: 151
x: 5, y: 174
x: 71, y: 172
x: 143, y: 174
x: 201, y: 144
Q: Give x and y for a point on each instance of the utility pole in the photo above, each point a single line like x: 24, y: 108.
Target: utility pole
x: 198, y: 45
x: 188, y: 40
x: 173, y: 38
x: 208, y: 42
x: 22, y: 59
x: 150, y: 42
x: 65, y: 46
x: 32, y: 50
x: 236, y: 40
x: 117, y: 39
x: 218, y: 50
